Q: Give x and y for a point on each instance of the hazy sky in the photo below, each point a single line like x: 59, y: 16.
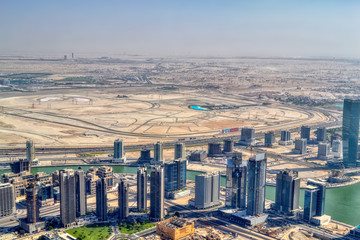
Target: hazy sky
x: 185, y: 27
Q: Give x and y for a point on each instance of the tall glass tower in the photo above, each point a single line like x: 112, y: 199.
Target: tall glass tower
x: 350, y: 132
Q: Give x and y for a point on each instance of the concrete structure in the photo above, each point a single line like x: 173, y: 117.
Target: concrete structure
x: 337, y: 149
x: 324, y: 151
x: 256, y: 185
x: 20, y: 165
x: 180, y: 151
x: 228, y: 146
x: 67, y: 197
x: 158, y: 152
x: 123, y: 200
x: 214, y: 149
x: 305, y: 132
x: 269, y: 139
x: 198, y: 155
x: 300, y: 146
x: 314, y: 202
x: 108, y: 174
x: 285, y: 138
x: 175, y: 228
x: 101, y: 200
x: 45, y: 194
x: 30, y: 150
x: 80, y: 191
x: 7, y: 196
x: 145, y: 157
x: 119, y: 153
x: 287, y: 192
x: 321, y: 135
x: 207, y: 190
x: 141, y: 195
x: 333, y: 138
x: 175, y: 176
x: 236, y: 177
x: 247, y: 136
x: 350, y: 132
x: 355, y: 231
x: 157, y: 192
x: 32, y: 204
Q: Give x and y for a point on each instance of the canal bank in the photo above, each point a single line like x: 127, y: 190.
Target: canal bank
x: 342, y: 203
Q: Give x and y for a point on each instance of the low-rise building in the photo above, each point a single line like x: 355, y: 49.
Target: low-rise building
x: 175, y: 228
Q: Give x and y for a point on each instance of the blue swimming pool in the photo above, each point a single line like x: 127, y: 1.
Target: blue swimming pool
x: 199, y: 108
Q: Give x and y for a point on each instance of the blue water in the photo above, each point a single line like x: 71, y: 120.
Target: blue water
x: 199, y: 108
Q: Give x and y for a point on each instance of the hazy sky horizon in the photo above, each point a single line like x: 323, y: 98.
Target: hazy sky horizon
x: 306, y: 28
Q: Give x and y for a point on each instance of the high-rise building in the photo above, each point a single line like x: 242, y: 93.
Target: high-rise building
x: 287, y: 191
x: 314, y: 202
x: 256, y: 185
x: 321, y: 135
x: 305, y: 132
x: 158, y: 152
x: 175, y: 175
x: 350, y: 132
x: 207, y: 190
x: 247, y: 136
x: 285, y: 136
x: 141, y: 196
x: 236, y: 177
x: 67, y: 185
x: 157, y: 191
x: 269, y: 139
x: 20, y: 165
x: 198, y: 155
x: 108, y: 174
x: 324, y: 151
x: 32, y: 203
x: 119, y: 153
x: 180, y: 151
x: 123, y: 200
x: 80, y: 193
x: 300, y: 146
x: 337, y: 149
x: 101, y: 200
x: 144, y: 156
x: 214, y: 149
x: 333, y: 138
x: 7, y: 196
x: 30, y: 150
x: 228, y: 145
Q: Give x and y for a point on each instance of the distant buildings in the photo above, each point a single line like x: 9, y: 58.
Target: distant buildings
x: 175, y: 176
x: 106, y: 173
x: 198, y: 155
x: 214, y: 149
x: 119, y: 153
x: 247, y: 136
x: 300, y: 146
x: 269, y: 139
x: 324, y: 151
x: 350, y: 132
x: 337, y: 149
x: 158, y: 152
x: 30, y: 150
x: 101, y: 200
x: 141, y: 195
x: 285, y: 138
x: 67, y: 197
x: 145, y: 157
x: 256, y: 185
x: 305, y: 132
x: 180, y: 151
x: 175, y: 228
x: 7, y: 196
x: 228, y: 146
x: 287, y: 191
x: 157, y: 191
x: 207, y: 190
x: 123, y: 200
x: 236, y: 177
x: 20, y: 165
x: 321, y: 135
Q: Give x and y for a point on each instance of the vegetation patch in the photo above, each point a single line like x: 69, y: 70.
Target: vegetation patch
x: 91, y: 232
x: 134, y: 227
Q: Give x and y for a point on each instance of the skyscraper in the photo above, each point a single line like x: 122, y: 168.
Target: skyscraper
x: 7, y: 196
x: 287, y: 191
x: 101, y: 200
x: 269, y: 139
x: 32, y: 203
x: 305, y: 132
x: 214, y: 148
x: 20, y: 165
x: 119, y: 153
x: 256, y: 184
x: 314, y: 202
x: 228, y: 145
x: 236, y: 176
x: 207, y: 190
x: 350, y: 132
x: 158, y: 152
x: 321, y: 135
x: 141, y: 196
x: 67, y: 196
x: 300, y: 146
x: 180, y: 151
x: 324, y: 150
x: 247, y: 136
x: 285, y: 136
x: 157, y: 190
x: 30, y: 150
x: 80, y: 193
x: 175, y: 175
x: 123, y: 200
